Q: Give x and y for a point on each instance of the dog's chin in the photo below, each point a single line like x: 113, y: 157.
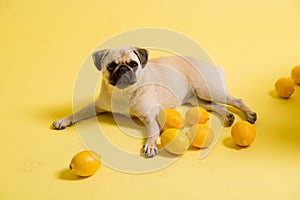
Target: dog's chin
x: 123, y: 85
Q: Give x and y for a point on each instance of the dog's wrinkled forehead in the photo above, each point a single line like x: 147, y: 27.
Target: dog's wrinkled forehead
x: 121, y: 55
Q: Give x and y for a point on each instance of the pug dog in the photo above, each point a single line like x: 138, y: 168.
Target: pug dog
x: 135, y: 86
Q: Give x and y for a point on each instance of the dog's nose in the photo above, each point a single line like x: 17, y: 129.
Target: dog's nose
x: 123, y: 69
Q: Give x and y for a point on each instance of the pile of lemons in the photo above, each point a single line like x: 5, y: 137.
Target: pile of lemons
x: 174, y: 139
x: 285, y: 87
x: 198, y: 134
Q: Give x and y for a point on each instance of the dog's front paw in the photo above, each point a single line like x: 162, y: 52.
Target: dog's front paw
x: 150, y: 149
x: 62, y: 123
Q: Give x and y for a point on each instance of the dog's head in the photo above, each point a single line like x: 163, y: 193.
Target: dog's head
x: 120, y: 66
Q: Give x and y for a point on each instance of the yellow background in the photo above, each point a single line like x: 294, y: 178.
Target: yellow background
x: 42, y: 45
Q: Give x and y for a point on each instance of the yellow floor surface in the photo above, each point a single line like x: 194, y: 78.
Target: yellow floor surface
x: 42, y: 45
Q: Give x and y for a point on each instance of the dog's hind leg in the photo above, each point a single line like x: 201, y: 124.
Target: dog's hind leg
x: 219, y: 109
x: 236, y: 102
x: 240, y: 104
x: 217, y: 93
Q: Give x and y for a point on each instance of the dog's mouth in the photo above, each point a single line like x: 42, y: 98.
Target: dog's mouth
x: 124, y: 80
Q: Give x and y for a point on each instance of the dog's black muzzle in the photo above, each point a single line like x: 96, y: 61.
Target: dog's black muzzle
x: 122, y: 77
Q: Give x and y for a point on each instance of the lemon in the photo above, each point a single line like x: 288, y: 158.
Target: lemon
x: 85, y: 163
x: 174, y: 141
x: 169, y: 118
x: 200, y: 136
x: 284, y: 87
x: 196, y: 115
x: 295, y: 74
x: 243, y: 133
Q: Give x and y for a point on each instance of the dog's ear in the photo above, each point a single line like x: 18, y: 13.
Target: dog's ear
x: 98, y: 57
x: 142, y: 54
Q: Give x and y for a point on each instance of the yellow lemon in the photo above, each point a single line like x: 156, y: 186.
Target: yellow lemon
x: 85, y: 163
x: 196, y: 115
x: 174, y: 141
x: 169, y: 118
x: 243, y: 133
x: 284, y: 87
x: 200, y: 136
x: 295, y: 74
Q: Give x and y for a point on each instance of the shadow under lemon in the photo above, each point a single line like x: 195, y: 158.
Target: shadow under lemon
x: 228, y: 142
x: 274, y: 95
x: 67, y: 174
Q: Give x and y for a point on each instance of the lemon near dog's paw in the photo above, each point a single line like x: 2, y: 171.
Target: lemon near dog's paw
x: 174, y: 141
x: 169, y: 118
x: 196, y: 115
x: 200, y: 136
x: 243, y: 133
x: 85, y: 163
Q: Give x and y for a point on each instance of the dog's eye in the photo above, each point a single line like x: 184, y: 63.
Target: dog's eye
x: 112, y: 66
x: 133, y: 64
